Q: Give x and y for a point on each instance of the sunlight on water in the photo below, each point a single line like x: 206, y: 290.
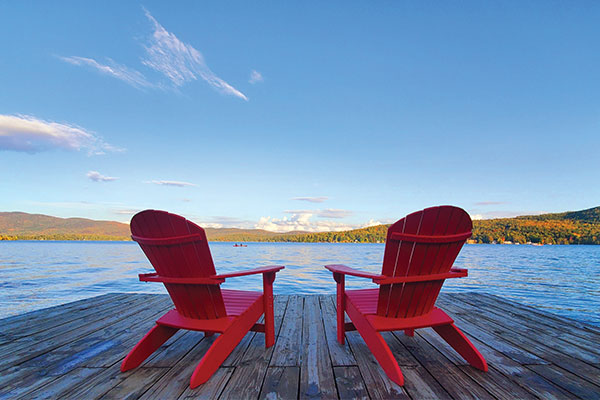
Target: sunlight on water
x: 561, y: 279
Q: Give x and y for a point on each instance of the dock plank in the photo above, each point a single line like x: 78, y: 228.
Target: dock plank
x: 349, y: 383
x: 287, y: 347
x: 341, y: 355
x: 316, y: 375
x: 42, y: 342
x: 573, y: 345
x: 280, y: 383
x: 247, y: 379
x: 83, y: 360
x: 544, y: 349
x: 504, y: 363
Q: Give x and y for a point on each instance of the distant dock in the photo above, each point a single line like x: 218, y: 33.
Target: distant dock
x: 75, y: 350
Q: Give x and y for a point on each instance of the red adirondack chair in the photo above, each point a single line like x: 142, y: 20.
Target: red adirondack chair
x: 179, y: 252
x: 419, y: 253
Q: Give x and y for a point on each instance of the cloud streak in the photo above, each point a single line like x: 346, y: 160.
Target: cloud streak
x: 312, y: 199
x: 180, y: 62
x: 25, y: 133
x: 98, y: 177
x: 489, y: 203
x: 121, y: 72
x: 172, y: 183
x: 327, y: 213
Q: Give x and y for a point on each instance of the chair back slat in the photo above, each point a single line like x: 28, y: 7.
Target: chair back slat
x: 423, y: 243
x: 178, y: 248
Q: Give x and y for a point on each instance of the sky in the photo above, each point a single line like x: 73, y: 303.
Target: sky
x: 311, y: 116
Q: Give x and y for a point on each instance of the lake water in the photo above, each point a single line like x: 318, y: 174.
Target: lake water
x: 561, y: 279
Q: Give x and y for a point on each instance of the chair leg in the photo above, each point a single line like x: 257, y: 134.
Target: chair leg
x: 224, y: 345
x: 409, y: 332
x: 376, y: 344
x: 208, y: 333
x: 148, y: 345
x: 341, y: 307
x: 268, y: 309
x: 463, y: 346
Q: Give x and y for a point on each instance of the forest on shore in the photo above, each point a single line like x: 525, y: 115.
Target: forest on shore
x: 574, y: 227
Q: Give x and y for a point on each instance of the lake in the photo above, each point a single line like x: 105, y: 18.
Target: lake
x: 561, y: 279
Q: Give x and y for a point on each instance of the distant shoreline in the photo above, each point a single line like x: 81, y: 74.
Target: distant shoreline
x: 124, y: 240
x: 573, y: 227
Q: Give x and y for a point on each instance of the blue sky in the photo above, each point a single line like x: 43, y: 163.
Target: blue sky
x: 307, y: 115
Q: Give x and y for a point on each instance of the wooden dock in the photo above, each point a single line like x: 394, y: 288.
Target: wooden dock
x: 75, y: 350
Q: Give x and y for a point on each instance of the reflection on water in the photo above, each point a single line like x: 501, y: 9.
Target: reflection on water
x: 561, y: 279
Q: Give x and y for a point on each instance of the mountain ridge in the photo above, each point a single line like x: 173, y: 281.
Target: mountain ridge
x: 570, y: 227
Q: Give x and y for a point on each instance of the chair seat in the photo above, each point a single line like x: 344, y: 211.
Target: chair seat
x: 238, y: 301
x: 365, y: 300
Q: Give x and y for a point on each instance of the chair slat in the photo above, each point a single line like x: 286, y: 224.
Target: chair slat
x: 177, y: 248
x: 168, y: 240
x: 423, y: 243
x: 431, y: 239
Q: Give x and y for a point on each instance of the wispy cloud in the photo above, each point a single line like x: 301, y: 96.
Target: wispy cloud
x: 255, y: 77
x: 327, y: 213
x: 121, y: 72
x: 172, y: 183
x: 98, y: 177
x: 28, y: 134
x: 312, y: 199
x: 131, y: 211
x: 489, y: 203
x: 333, y: 213
x: 180, y: 62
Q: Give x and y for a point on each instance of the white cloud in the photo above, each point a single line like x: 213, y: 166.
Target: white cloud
x: 98, y: 177
x: 312, y: 199
x: 503, y: 214
x: 210, y: 225
x: 373, y: 222
x: 255, y: 77
x: 181, y: 62
x: 172, y: 183
x: 31, y: 135
x: 222, y: 222
x: 302, y: 222
x: 127, y: 75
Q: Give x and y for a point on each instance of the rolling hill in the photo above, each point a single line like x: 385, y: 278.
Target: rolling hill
x: 573, y: 227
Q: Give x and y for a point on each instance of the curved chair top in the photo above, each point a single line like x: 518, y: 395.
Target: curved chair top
x: 425, y: 242
x: 178, y: 248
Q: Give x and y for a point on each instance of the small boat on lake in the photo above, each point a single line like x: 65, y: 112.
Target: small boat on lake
x: 240, y: 245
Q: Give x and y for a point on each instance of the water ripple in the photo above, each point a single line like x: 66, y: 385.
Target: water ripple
x: 561, y: 279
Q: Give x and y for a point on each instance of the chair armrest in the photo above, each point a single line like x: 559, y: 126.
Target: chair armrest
x: 154, y: 277
x: 259, y: 270
x: 454, y: 273
x: 345, y: 270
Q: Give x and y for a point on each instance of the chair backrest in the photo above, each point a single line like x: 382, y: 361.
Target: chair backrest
x: 422, y: 243
x: 178, y: 248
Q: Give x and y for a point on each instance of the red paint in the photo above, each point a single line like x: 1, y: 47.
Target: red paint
x: 419, y: 253
x: 179, y: 252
